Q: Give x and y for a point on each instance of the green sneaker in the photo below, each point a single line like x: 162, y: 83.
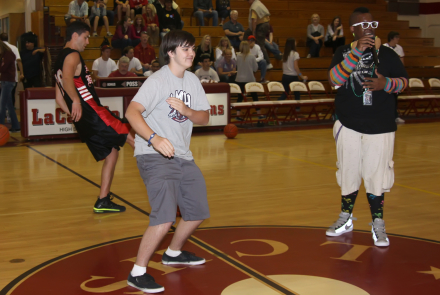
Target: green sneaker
x: 105, y: 205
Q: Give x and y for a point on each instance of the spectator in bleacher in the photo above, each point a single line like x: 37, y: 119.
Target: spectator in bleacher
x: 145, y: 52
x: 18, y: 64
x: 222, y: 46
x: 152, y: 23
x: 335, y: 34
x: 393, y: 40
x: 155, y: 66
x: 7, y: 79
x: 246, y: 66
x: 291, y: 71
x: 103, y: 66
x: 110, y: 14
x: 393, y: 43
x: 234, y: 30
x: 223, y: 9
x: 137, y: 7
x: 31, y: 58
x: 271, y: 45
x: 98, y: 16
x: 160, y: 5
x: 258, y: 53
x: 135, y: 64
x: 204, y: 47
x: 227, y: 67
x: 122, y: 71
x: 123, y: 34
x: 202, y: 9
x: 315, y: 35
x: 122, y: 6
x: 206, y: 74
x: 78, y: 11
x: 169, y: 19
x: 137, y: 27
x: 259, y: 17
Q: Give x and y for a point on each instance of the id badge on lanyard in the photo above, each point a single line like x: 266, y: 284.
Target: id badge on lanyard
x: 367, y: 98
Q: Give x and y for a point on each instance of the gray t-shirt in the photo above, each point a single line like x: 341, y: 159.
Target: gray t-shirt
x: 164, y: 120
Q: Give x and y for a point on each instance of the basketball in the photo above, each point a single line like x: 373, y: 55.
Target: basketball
x: 230, y: 131
x: 4, y: 134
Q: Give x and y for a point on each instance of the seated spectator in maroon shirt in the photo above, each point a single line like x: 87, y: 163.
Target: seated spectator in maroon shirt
x: 152, y: 22
x: 122, y: 70
x: 123, y: 35
x: 137, y: 7
x: 137, y: 27
x: 145, y: 52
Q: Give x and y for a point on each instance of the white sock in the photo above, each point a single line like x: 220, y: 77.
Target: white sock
x: 173, y: 253
x: 138, y: 270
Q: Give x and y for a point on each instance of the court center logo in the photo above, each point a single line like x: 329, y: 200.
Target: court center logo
x: 249, y: 260
x: 186, y: 98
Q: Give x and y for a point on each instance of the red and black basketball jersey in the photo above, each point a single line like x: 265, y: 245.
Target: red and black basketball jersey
x: 95, y: 118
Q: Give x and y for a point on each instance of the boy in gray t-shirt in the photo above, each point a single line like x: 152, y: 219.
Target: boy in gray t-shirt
x: 162, y: 113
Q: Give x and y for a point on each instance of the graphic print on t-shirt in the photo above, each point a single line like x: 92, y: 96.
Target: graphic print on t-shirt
x: 363, y: 70
x: 186, y: 98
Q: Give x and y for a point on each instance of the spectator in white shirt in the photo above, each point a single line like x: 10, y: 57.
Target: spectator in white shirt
x: 206, y: 74
x: 258, y: 53
x: 135, y: 65
x: 155, y: 66
x: 103, y: 66
x: 222, y: 45
x: 393, y: 42
x: 291, y: 71
x: 18, y: 64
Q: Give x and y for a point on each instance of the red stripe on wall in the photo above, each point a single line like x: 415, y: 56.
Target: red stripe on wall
x: 430, y: 8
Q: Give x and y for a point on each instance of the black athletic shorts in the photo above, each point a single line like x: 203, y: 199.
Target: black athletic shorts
x: 101, y: 147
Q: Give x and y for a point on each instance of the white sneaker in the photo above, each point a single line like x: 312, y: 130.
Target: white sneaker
x: 109, y: 34
x: 309, y: 56
x: 343, y: 225
x: 400, y: 121
x: 379, y: 235
x: 270, y: 66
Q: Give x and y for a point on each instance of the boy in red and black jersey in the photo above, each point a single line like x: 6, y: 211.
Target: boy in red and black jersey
x: 102, y: 131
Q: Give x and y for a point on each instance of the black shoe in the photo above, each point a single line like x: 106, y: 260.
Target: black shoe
x: 15, y: 130
x: 105, y: 205
x: 239, y: 119
x: 262, y: 117
x: 145, y: 283
x: 184, y: 258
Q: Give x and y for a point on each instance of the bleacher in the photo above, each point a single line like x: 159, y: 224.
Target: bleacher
x: 289, y: 18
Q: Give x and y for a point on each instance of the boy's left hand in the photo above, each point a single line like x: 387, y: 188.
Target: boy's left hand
x: 376, y: 83
x: 178, y: 105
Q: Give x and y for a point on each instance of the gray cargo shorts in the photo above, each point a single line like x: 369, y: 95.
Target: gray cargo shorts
x: 172, y: 182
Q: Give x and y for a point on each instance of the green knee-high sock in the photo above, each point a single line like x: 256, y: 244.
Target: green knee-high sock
x: 376, y: 205
x: 348, y: 202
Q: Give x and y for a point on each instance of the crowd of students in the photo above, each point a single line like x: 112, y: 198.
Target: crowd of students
x: 228, y: 62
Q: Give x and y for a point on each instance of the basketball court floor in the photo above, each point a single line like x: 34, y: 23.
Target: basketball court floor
x: 271, y: 194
